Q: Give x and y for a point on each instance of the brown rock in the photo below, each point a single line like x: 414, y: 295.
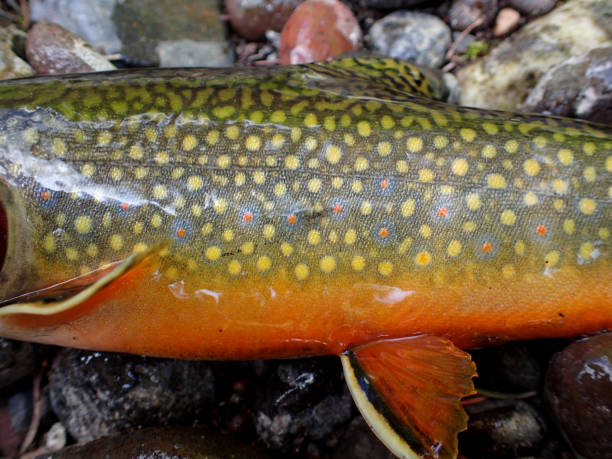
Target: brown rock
x: 252, y: 19
x: 507, y: 20
x: 318, y: 30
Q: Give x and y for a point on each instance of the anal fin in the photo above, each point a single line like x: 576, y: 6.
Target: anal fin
x: 409, y: 391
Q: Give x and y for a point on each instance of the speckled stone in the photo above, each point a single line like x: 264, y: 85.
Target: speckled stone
x: 11, y: 65
x: 252, y: 18
x: 533, y: 7
x: 465, y: 12
x: 418, y: 37
x: 503, y: 79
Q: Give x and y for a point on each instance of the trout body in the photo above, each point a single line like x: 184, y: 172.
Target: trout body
x: 296, y: 211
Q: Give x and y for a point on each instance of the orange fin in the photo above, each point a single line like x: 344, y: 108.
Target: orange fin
x: 409, y: 391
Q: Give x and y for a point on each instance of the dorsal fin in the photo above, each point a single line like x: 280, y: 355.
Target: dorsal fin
x: 409, y: 392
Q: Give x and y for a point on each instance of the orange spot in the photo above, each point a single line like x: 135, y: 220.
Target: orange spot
x: 542, y: 230
x: 443, y: 212
x: 423, y: 258
x: 486, y: 247
x: 124, y: 206
x: 384, y: 184
x: 292, y: 219
x: 338, y: 208
x: 384, y: 232
x: 247, y: 217
x: 45, y: 195
x: 181, y: 232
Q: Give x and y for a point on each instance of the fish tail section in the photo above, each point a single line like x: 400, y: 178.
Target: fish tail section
x: 409, y: 391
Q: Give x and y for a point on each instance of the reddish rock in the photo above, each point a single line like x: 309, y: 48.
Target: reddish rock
x: 251, y: 19
x: 318, y: 30
x: 507, y: 20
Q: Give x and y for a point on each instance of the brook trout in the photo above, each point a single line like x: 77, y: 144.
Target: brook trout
x: 329, y: 208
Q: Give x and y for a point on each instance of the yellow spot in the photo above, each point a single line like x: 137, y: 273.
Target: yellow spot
x: 511, y: 146
x: 587, y: 206
x: 252, y: 143
x: 259, y: 177
x: 426, y: 175
x: 139, y: 247
x: 232, y: 132
x: 296, y: 133
x: 569, y: 226
x: 302, y: 271
x: 83, y: 224
x: 104, y: 138
x: 220, y: 205
x: 383, y: 148
x: 314, y: 185
x: 91, y: 250
x: 228, y: 235
x: 72, y: 254
x: 314, y: 237
x: 604, y: 233
x: 277, y: 140
x: 292, y: 162
x: 286, y: 249
x: 408, y: 207
x: 366, y: 208
x: 559, y: 186
x: 589, y: 174
x: 268, y: 231
x: 49, y: 243
x: 170, y: 131
x: 552, y: 258
x: 88, y: 170
x: 531, y: 167
x: 162, y: 157
x: 565, y: 156
x: 454, y: 248
x: 310, y: 120
x: 224, y: 161
x: 337, y: 182
x: 488, y: 151
x: 333, y: 154
x: 349, y: 139
x: 473, y: 201
x: 559, y: 204
x: 136, y: 152
x: 469, y: 227
x: 234, y: 267
x: 467, y: 134
x: 358, y: 263
x: 212, y: 253
x: 496, y: 181
x: 519, y: 248
x: 264, y: 263
x: 385, y: 268
x: 212, y: 137
x: 490, y: 128
x: 156, y: 220
x: 327, y: 264
x: 160, y: 192
x: 440, y: 142
x: 278, y: 117
x: 195, y: 182
x: 361, y: 164
x: 79, y: 136
x: 586, y: 250
x: 357, y: 186
x: 350, y: 237
x: 508, y: 271
x: 460, y: 167
x: 422, y: 258
x: 150, y: 134
x: 59, y: 146
x: 588, y: 148
x: 116, y: 242
x: 239, y: 179
x: 425, y: 231
x: 414, y: 144
x: 387, y: 122
x: 364, y: 128
x: 280, y: 189
x: 508, y: 217
x: 609, y: 163
x: 530, y: 198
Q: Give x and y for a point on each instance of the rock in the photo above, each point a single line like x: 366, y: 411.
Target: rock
x: 17, y: 359
x: 388, y: 4
x: 302, y: 401
x: 463, y: 13
x: 51, y: 49
x: 94, y: 394
x: 579, y: 87
x: 418, y: 37
x: 503, y: 429
x: 11, y: 65
x: 15, y: 416
x: 507, y: 20
x: 318, y: 30
x: 579, y: 391
x: 503, y: 79
x: 462, y: 42
x: 251, y: 19
x: 189, y: 53
x: 454, y: 90
x: 172, y: 442
x: 359, y: 442
x: 90, y: 20
x: 533, y: 7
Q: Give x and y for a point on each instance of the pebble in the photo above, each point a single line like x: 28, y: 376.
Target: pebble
x: 318, y: 30
x: 94, y: 393
x: 533, y: 7
x: 359, y: 441
x: 17, y: 360
x: 51, y: 49
x: 507, y: 21
x: 11, y: 65
x: 462, y: 43
x: 579, y: 87
x: 252, y: 18
x: 389, y: 4
x: 463, y: 13
x: 503, y: 78
x: 15, y: 415
x: 418, y: 37
x: 579, y: 391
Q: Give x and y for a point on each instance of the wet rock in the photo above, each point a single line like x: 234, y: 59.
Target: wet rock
x: 161, y: 443
x: 90, y: 20
x: 302, y: 401
x: 251, y: 19
x: 533, y: 7
x: 504, y: 78
x: 11, y: 65
x: 359, y: 442
x: 418, y: 37
x: 95, y: 394
x: 579, y: 391
x: 579, y: 87
x: 388, y: 4
x: 17, y: 359
x: 15, y: 416
x: 51, y: 49
x: 507, y: 20
x: 318, y: 30
x: 503, y: 429
x: 463, y: 13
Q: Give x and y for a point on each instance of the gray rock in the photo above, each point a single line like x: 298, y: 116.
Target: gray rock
x: 51, y: 49
x: 90, y: 20
x: 464, y: 12
x: 454, y: 89
x: 417, y: 37
x: 579, y: 87
x: 533, y: 7
x: 94, y: 394
x: 189, y: 53
x: 503, y: 79
x: 388, y: 4
x: 17, y: 359
x: 462, y: 45
x: 11, y: 65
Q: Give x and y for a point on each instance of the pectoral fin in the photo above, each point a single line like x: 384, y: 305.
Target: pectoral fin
x: 79, y: 290
x: 409, y: 391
